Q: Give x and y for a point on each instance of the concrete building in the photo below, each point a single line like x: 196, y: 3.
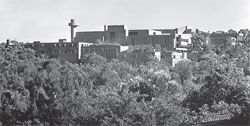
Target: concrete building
x: 114, y: 34
x: 151, y: 37
x: 240, y: 38
x: 247, y: 38
x: 89, y: 36
x: 174, y: 43
x: 64, y: 51
x: 108, y: 43
x: 183, y: 41
x: 107, y: 50
x: 177, y: 57
x: 173, y: 57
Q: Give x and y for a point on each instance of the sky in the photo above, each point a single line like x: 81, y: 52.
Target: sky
x: 47, y: 20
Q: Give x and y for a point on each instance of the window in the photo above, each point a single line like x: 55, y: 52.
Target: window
x: 132, y: 33
x: 112, y: 36
x: 178, y: 45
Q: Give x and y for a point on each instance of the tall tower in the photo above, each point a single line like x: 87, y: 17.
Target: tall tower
x: 72, y: 27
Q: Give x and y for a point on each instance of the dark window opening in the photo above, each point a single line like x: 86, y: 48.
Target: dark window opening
x: 112, y: 36
x: 133, y: 33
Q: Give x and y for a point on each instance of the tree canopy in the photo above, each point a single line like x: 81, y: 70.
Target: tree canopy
x: 35, y: 90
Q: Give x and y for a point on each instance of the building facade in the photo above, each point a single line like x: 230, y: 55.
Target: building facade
x: 151, y: 37
x: 90, y: 37
x: 113, y: 34
x: 107, y: 50
x: 108, y: 43
x: 64, y: 51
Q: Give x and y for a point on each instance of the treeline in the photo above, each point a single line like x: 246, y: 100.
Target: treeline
x: 39, y: 91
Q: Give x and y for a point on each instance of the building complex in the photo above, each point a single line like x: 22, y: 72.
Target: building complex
x: 116, y: 41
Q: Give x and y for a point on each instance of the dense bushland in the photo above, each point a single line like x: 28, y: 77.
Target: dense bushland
x: 39, y: 91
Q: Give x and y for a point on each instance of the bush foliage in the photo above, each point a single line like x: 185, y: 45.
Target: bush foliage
x: 39, y: 91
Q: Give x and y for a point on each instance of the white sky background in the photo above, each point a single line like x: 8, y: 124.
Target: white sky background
x: 47, y: 20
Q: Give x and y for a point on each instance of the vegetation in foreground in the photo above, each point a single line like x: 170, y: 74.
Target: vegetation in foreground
x: 39, y: 91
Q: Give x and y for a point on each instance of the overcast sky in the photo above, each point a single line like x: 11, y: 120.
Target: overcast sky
x: 47, y: 20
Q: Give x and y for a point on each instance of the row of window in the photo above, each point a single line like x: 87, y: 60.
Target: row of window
x: 99, y: 50
x: 64, y: 45
x: 132, y: 33
x: 59, y: 45
x: 178, y: 56
x: 165, y: 42
x: 61, y: 51
x: 85, y: 45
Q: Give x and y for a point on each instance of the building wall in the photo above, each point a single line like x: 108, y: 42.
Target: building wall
x: 186, y: 38
x: 90, y: 37
x: 166, y: 57
x: 116, y: 34
x: 143, y: 32
x: 154, y: 32
x: 109, y: 51
x: 64, y: 51
x: 80, y: 45
x: 248, y: 37
x: 178, y: 56
x: 173, y: 57
x: 166, y: 41
x: 240, y: 38
x: 168, y: 31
